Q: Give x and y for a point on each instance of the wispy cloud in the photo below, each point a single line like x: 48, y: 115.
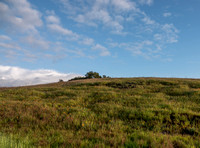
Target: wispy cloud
x: 99, y: 15
x: 167, y: 14
x: 147, y: 20
x: 36, y: 42
x: 4, y: 37
x: 103, y: 50
x: 124, y: 5
x: 15, y: 76
x: 110, y: 17
x: 21, y: 21
x: 52, y: 19
x: 170, y: 33
x: 87, y: 41
x: 63, y: 31
x: 55, y: 26
x: 9, y: 46
x: 146, y: 2
x: 6, y: 45
x: 19, y: 16
x: 24, y: 22
x: 113, y: 14
x: 144, y: 48
x: 99, y: 12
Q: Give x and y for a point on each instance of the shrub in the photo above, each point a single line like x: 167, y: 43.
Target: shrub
x: 92, y: 74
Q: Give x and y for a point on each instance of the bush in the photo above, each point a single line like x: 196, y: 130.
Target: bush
x: 92, y: 74
x: 78, y: 78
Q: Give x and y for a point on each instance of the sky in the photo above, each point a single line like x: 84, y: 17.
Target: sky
x: 44, y: 41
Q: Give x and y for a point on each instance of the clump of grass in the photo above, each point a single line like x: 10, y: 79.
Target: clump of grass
x: 10, y: 141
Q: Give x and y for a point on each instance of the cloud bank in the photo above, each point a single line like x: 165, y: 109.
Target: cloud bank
x: 15, y: 76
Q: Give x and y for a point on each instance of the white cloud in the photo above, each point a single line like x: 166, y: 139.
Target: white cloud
x: 53, y: 19
x: 99, y: 12
x: 170, y: 33
x: 112, y: 14
x: 108, y: 14
x: 10, y: 46
x: 103, y: 50
x: 36, y: 42
x: 77, y: 53
x: 11, y: 49
x: 19, y: 16
x: 87, y: 41
x: 4, y: 37
x: 124, y: 5
x: 146, y: 48
x: 139, y: 48
x: 146, y: 2
x: 55, y: 26
x: 147, y: 20
x: 63, y: 31
x: 6, y: 45
x: 98, y: 15
x: 152, y: 35
x: 20, y: 19
x: 15, y: 76
x: 167, y: 14
x: 158, y: 37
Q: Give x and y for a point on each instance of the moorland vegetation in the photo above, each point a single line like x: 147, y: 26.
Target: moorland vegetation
x: 128, y: 112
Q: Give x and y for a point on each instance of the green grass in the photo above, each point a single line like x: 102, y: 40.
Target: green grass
x: 9, y: 141
x: 131, y: 112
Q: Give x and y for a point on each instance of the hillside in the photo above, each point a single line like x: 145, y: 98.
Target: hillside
x: 126, y: 112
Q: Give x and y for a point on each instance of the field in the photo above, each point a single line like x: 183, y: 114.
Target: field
x: 127, y: 112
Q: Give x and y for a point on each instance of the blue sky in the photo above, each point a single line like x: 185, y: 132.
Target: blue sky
x: 119, y: 38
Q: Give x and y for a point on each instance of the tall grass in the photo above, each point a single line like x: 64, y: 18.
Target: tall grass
x: 10, y: 141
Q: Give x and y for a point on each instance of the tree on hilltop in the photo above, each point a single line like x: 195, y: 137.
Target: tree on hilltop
x: 92, y: 74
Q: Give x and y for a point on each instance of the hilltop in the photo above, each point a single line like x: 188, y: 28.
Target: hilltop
x: 106, y: 112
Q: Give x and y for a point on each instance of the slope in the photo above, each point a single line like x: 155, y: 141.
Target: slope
x: 126, y: 112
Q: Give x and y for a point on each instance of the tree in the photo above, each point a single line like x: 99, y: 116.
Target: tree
x: 104, y: 76
x: 92, y: 74
x: 61, y: 80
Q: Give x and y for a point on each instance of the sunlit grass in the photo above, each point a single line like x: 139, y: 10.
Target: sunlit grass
x: 10, y: 141
x: 102, y: 113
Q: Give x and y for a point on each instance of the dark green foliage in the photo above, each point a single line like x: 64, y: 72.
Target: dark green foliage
x: 78, y: 78
x: 135, y: 112
x: 60, y: 80
x: 104, y: 76
x: 122, y: 85
x: 91, y: 74
x: 194, y: 85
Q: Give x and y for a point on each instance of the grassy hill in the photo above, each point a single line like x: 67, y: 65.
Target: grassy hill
x: 128, y: 112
